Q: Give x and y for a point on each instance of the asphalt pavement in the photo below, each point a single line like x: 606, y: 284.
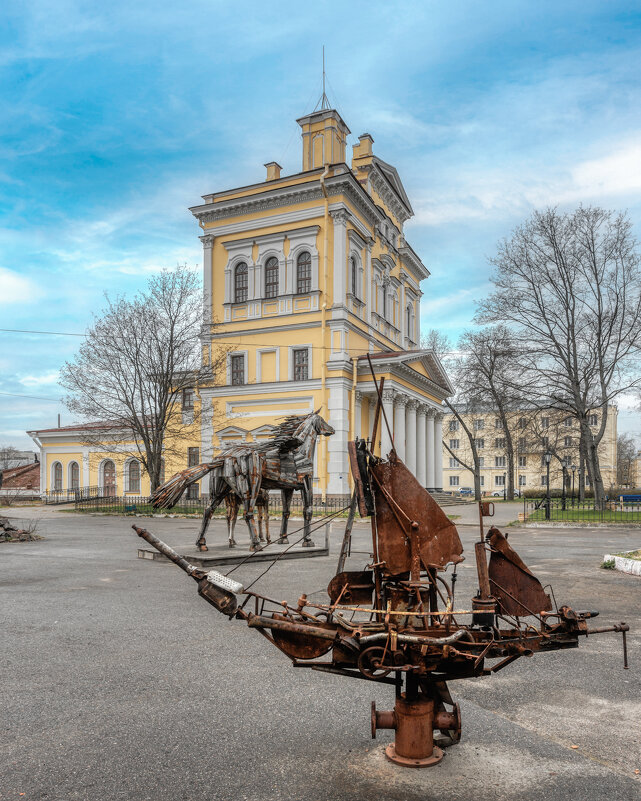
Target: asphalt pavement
x: 119, y: 682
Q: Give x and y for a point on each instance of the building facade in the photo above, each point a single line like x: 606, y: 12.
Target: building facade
x: 303, y: 276
x: 532, y: 435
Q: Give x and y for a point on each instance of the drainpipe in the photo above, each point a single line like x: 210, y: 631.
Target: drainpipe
x: 323, y: 448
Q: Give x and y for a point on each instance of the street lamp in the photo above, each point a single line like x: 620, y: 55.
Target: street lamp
x: 547, y: 456
x: 573, y: 472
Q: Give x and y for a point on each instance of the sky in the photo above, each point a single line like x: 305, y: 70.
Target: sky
x: 116, y: 117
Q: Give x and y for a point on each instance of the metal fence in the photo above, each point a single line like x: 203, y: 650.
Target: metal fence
x: 574, y: 511
x: 141, y: 504
x: 74, y: 495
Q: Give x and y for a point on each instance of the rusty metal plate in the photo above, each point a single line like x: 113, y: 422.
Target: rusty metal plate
x: 358, y: 466
x: 516, y: 588
x: 301, y: 646
x: 438, y: 539
x: 360, y: 586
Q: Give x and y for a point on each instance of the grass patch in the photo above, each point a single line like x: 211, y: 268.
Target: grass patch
x: 585, y: 516
x: 608, y: 564
x: 454, y: 517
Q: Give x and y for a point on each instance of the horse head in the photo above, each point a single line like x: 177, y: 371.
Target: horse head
x: 313, y: 423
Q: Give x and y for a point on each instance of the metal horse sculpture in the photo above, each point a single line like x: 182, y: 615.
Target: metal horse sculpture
x: 284, y: 462
x: 232, y: 505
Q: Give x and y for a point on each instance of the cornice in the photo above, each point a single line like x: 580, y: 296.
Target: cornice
x: 410, y: 260
x: 342, y: 184
x: 382, y: 188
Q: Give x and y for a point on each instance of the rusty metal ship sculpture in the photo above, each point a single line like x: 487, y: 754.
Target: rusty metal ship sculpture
x: 395, y: 621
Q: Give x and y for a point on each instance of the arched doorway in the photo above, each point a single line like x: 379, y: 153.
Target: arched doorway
x: 109, y: 477
x: 74, y: 476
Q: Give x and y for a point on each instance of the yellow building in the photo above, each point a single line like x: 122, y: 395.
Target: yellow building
x: 532, y: 434
x: 303, y: 276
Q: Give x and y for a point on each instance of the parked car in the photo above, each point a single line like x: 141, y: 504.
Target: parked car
x: 466, y: 491
x: 501, y: 493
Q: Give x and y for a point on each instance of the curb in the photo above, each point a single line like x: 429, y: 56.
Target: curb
x: 624, y: 565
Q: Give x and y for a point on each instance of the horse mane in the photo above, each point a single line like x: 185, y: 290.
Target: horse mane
x: 283, y: 435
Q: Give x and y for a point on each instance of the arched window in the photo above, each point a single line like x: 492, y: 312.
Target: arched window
x: 240, y: 283
x: 303, y: 273
x: 133, y: 476
x: 271, y: 277
x: 109, y: 477
x: 57, y: 476
x: 353, y: 270
x: 74, y: 476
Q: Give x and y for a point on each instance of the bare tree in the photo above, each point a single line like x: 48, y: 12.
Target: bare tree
x: 138, y: 362
x: 568, y: 285
x: 626, y: 454
x: 466, y: 400
x: 8, y: 456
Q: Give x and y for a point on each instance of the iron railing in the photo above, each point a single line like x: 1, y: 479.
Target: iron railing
x: 571, y: 510
x: 141, y: 504
x: 76, y: 495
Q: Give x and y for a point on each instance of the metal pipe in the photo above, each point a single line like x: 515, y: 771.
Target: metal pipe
x: 412, y: 638
x: 260, y: 622
x: 161, y: 546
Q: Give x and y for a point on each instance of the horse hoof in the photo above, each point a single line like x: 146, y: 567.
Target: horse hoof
x: 232, y: 544
x: 283, y: 541
x: 308, y: 544
x: 203, y: 548
x: 256, y: 547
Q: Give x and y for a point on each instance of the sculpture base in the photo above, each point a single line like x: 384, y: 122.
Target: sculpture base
x: 406, y: 762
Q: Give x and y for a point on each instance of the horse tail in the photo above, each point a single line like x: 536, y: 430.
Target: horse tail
x: 168, y: 494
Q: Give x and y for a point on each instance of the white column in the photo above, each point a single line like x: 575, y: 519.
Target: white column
x: 410, y: 435
x: 208, y: 243
x: 429, y: 450
x: 358, y: 404
x: 388, y: 406
x: 399, y: 425
x: 438, y: 451
x: 340, y: 256
x: 85, y: 468
x: 206, y: 427
x: 368, y: 283
x: 421, y: 459
x: 337, y: 462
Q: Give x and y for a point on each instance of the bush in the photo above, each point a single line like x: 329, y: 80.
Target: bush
x: 554, y: 493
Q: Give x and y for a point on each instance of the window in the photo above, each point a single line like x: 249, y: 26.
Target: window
x: 133, y: 476
x: 479, y: 424
x: 482, y: 462
x: 74, y: 475
x: 544, y: 480
x: 453, y: 425
x: 303, y: 273
x: 193, y: 457
x: 545, y: 441
x: 587, y: 480
x: 237, y: 370
x: 522, y: 422
x: 567, y: 462
x: 499, y: 442
x: 543, y: 462
x: 482, y: 480
x: 271, y: 278
x: 499, y: 481
x: 545, y: 422
x: 522, y: 481
x: 384, y: 301
x: 498, y: 423
x: 454, y: 462
x: 594, y: 420
x: 522, y: 443
x: 567, y: 442
x: 57, y: 476
x: 499, y: 461
x: 353, y: 272
x: 522, y: 461
x: 454, y: 444
x: 301, y: 364
x: 480, y: 444
x: 188, y: 400
x: 240, y: 283
x: 567, y: 422
x: 409, y: 321
x: 453, y: 481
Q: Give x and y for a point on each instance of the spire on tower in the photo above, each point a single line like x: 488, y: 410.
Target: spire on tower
x: 323, y: 103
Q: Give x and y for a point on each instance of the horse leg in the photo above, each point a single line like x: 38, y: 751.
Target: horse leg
x: 260, y: 511
x: 232, y: 504
x: 306, y: 492
x: 266, y: 513
x: 251, y: 525
x: 217, y: 497
x: 286, y: 495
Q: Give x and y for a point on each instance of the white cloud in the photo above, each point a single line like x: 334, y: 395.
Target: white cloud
x: 16, y: 288
x: 40, y: 380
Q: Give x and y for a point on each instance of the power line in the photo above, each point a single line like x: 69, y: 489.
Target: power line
x: 33, y: 397
x: 53, y: 333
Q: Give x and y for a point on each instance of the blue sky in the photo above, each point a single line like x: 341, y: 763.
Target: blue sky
x: 116, y: 117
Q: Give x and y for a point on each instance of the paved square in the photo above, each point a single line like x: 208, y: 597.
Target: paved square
x: 119, y: 682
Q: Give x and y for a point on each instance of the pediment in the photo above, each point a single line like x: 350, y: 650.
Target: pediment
x: 392, y: 177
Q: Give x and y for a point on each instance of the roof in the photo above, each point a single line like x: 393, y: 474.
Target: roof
x: 431, y: 363
x: 104, y: 424
x: 25, y: 477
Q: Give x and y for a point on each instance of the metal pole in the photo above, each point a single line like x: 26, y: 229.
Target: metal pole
x: 547, y: 506
x: 563, y: 479
x: 573, y: 471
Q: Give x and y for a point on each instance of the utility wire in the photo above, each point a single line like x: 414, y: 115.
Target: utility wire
x: 33, y: 397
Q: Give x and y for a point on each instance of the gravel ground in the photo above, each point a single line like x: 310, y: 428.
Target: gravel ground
x: 118, y: 682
